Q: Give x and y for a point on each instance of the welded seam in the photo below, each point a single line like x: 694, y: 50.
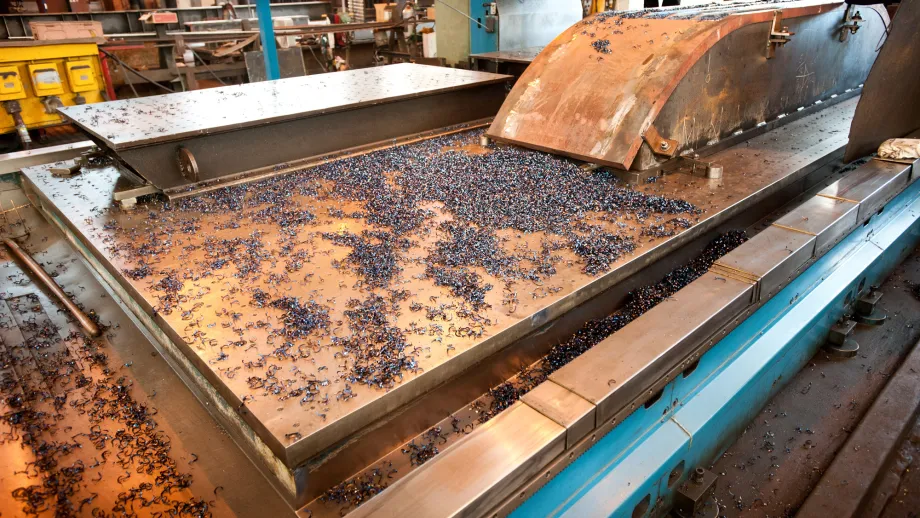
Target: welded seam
x: 793, y: 229
x: 690, y: 435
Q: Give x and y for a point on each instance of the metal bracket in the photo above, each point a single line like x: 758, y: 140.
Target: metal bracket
x: 866, y: 312
x: 694, y: 497
x: 660, y: 145
x: 851, y: 23
x: 699, y: 167
x: 839, y: 343
x: 779, y: 34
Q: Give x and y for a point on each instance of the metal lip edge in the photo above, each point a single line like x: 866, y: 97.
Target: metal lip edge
x: 303, y: 450
x: 577, y: 424
x: 673, y: 354
x: 757, y: 130
x: 176, y: 137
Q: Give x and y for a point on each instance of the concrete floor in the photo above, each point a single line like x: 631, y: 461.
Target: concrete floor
x: 774, y: 465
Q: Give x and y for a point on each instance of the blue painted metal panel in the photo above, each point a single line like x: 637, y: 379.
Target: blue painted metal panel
x: 700, y: 415
x: 480, y: 40
x: 267, y: 33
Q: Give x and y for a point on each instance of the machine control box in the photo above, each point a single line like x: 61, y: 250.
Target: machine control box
x: 81, y: 76
x: 11, y: 84
x: 45, y: 79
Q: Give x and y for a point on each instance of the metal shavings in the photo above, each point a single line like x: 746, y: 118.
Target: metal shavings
x: 376, y: 350
x: 463, y: 283
x: 602, y: 46
x: 354, y: 492
x: 300, y: 319
x: 71, y: 383
x: 374, y: 254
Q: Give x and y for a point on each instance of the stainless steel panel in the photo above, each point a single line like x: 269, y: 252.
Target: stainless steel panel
x: 524, y: 56
x: 530, y: 23
x: 14, y: 162
x: 615, y: 372
x: 147, y: 120
x: 478, y: 472
x: 872, y: 185
x: 828, y: 219
x: 771, y: 257
x: 233, y: 155
x: 565, y: 407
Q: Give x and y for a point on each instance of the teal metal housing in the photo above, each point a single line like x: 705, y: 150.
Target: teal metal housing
x: 267, y: 32
x: 480, y: 39
x: 703, y: 411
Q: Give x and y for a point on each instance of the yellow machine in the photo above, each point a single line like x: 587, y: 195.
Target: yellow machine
x: 36, y: 78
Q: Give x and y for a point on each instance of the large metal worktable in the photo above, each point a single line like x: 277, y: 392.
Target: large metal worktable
x: 286, y: 434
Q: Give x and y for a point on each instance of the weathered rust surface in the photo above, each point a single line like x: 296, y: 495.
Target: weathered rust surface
x: 879, y: 116
x: 597, y: 88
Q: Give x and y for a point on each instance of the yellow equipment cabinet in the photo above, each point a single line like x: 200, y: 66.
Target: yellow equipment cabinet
x: 36, y: 78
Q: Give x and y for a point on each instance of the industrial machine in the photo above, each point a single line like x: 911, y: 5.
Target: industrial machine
x: 38, y: 77
x: 410, y: 295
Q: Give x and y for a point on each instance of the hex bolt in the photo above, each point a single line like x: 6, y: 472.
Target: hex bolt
x: 697, y: 476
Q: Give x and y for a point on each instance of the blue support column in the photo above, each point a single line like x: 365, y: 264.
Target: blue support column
x: 267, y: 32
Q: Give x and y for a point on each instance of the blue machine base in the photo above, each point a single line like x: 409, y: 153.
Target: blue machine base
x: 699, y: 416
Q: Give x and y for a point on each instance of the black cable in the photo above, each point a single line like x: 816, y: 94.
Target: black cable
x: 317, y: 59
x: 124, y: 74
x: 219, y: 80
x: 142, y: 76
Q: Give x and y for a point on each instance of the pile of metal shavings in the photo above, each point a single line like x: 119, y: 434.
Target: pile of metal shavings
x: 355, y: 491
x: 300, y: 319
x: 434, y: 207
x: 95, y: 450
x: 666, y: 229
x: 376, y: 352
x: 463, y: 283
x: 374, y: 254
x: 427, y: 447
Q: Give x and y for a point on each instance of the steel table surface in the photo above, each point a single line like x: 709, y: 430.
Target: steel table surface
x: 296, y: 432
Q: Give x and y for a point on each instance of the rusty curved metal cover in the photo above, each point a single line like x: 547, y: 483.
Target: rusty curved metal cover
x: 594, y: 91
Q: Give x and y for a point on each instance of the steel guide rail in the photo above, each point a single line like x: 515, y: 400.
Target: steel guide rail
x: 536, y: 438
